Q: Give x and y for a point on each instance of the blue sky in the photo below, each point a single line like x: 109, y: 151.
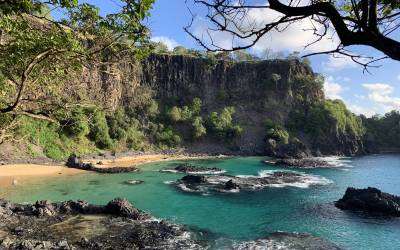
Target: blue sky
x: 365, y: 93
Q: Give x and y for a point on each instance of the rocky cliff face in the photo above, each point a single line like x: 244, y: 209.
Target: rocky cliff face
x: 248, y: 86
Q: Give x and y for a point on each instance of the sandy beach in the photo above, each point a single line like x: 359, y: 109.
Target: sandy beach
x: 137, y: 160
x: 14, y: 174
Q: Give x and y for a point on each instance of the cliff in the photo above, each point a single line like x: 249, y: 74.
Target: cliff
x: 248, y: 86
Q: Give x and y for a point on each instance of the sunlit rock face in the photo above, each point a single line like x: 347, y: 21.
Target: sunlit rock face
x: 247, y: 86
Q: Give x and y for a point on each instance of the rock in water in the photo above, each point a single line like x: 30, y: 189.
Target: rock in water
x: 231, y: 185
x: 299, y: 163
x: 196, y: 179
x: 370, y: 200
x: 292, y: 241
x: 222, y: 183
x: 190, y: 169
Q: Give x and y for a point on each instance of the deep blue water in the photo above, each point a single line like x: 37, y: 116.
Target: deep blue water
x: 244, y: 215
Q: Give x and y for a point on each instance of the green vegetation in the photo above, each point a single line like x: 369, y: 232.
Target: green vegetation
x: 199, y: 130
x: 383, y: 131
x: 55, y: 144
x: 276, y: 131
x: 327, y: 117
x: 222, y: 125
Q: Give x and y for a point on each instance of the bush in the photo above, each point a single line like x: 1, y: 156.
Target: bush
x: 222, y: 124
x: 198, y: 129
x: 118, y: 124
x: 44, y: 134
x: 134, y: 139
x: 76, y: 124
x: 99, y: 130
x: 174, y: 114
x: 167, y: 136
x: 196, y: 105
x: 276, y: 131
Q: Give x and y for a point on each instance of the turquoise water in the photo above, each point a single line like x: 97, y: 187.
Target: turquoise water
x: 244, y: 215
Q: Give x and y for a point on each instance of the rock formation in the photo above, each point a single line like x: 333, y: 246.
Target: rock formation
x: 370, y: 200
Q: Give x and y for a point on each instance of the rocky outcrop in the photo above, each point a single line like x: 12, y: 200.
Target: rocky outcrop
x: 79, y: 225
x: 227, y: 183
x: 293, y: 241
x: 299, y: 163
x: 370, y: 200
x: 247, y: 86
x: 190, y: 169
x: 75, y: 162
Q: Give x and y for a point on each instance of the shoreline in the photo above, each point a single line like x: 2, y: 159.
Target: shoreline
x: 14, y: 174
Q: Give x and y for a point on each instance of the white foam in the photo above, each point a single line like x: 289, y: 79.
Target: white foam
x: 306, y: 180
x: 194, y: 172
x: 336, y: 161
x: 169, y: 171
x: 208, y: 172
x: 261, y: 245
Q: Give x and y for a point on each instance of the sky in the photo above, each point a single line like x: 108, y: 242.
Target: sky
x: 371, y: 93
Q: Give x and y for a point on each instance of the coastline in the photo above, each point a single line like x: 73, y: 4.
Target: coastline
x: 15, y: 174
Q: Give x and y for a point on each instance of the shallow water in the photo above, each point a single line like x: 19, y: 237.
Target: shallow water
x: 228, y: 217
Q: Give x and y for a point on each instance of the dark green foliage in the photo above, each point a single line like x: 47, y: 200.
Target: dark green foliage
x: 76, y: 123
x: 383, y: 131
x: 165, y: 135
x: 118, y: 123
x: 276, y: 131
x: 222, y: 124
x: 99, y: 130
x: 327, y: 117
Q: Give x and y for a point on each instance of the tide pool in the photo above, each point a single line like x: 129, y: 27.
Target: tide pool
x: 224, y: 218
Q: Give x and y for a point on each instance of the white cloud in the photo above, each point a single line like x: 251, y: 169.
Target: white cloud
x: 292, y: 38
x: 169, y: 42
x: 332, y: 89
x: 357, y: 109
x: 335, y: 63
x: 380, y: 93
x: 362, y: 97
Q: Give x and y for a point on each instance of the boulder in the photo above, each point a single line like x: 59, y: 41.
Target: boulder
x: 194, y: 179
x: 44, y: 208
x: 122, y: 207
x: 370, y: 200
x: 301, y: 163
x: 231, y: 185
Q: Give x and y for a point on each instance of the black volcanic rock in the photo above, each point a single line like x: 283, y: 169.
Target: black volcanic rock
x: 370, y: 200
x: 79, y: 225
x: 190, y: 169
x: 231, y: 185
x: 75, y: 162
x: 292, y: 241
x: 122, y: 207
x: 222, y: 183
x: 196, y: 179
x: 300, y: 163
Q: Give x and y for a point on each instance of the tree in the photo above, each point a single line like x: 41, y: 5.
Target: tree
x: 180, y: 50
x: 356, y: 22
x: 40, y: 54
x: 276, y: 78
